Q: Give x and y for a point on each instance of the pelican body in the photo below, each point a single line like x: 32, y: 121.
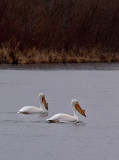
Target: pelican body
x: 61, y: 117
x: 32, y: 109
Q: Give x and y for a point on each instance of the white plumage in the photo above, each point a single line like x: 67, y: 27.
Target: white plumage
x: 32, y: 109
x: 61, y: 117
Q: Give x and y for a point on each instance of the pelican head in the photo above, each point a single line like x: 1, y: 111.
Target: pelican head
x: 42, y: 100
x: 75, y: 104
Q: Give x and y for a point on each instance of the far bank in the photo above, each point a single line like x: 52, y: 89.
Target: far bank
x: 35, y: 56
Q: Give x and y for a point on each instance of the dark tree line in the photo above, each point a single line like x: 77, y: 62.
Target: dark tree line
x: 60, y: 24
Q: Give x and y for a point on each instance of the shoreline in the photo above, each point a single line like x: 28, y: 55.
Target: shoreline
x: 34, y: 56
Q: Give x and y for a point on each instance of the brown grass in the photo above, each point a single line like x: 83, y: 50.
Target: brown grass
x: 34, y: 56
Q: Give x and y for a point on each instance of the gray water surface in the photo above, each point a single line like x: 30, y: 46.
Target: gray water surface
x: 30, y: 137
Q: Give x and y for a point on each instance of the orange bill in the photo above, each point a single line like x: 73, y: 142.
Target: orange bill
x: 45, y: 103
x: 80, y: 110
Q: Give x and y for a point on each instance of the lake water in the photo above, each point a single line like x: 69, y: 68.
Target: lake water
x: 30, y: 137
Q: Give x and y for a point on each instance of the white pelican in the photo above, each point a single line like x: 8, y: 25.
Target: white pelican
x: 61, y: 117
x: 33, y: 109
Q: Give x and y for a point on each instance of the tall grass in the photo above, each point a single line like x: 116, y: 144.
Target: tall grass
x: 59, y: 26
